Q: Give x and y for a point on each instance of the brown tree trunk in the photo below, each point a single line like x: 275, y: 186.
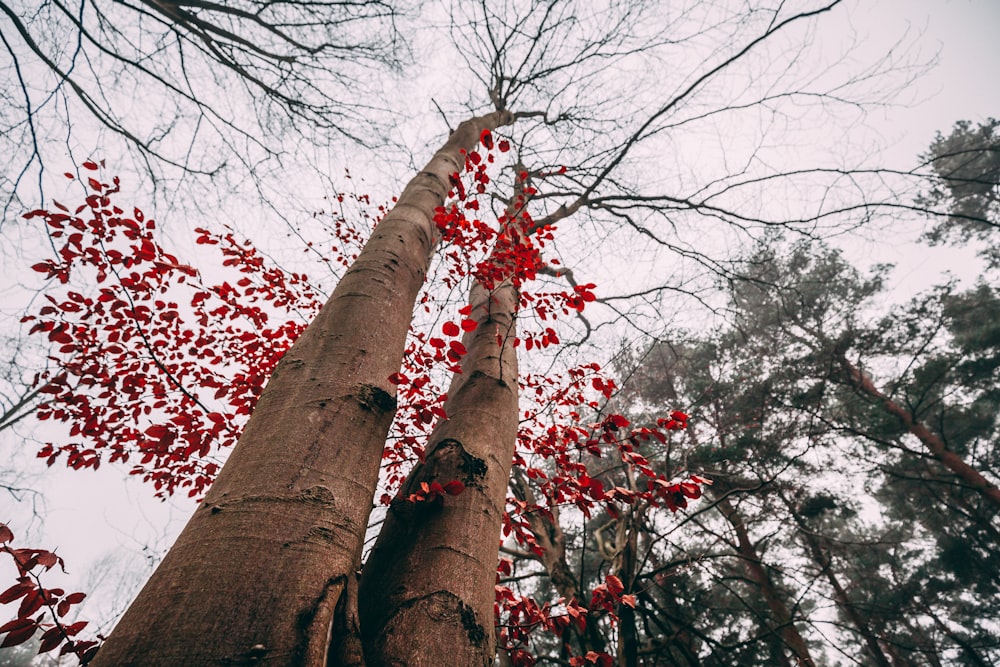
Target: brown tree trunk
x: 427, y: 591
x: 823, y: 560
x: 758, y: 574
x: 270, y: 557
x: 934, y: 444
x: 428, y: 586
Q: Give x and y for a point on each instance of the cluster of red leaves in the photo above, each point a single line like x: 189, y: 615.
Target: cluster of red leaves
x: 507, y: 248
x: 523, y: 615
x: 50, y: 604
x: 567, y: 446
x: 140, y: 376
x: 435, y: 490
x: 557, y: 448
x: 154, y: 366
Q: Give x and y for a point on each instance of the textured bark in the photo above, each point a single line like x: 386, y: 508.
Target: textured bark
x: 758, y: 574
x: 427, y: 591
x: 263, y: 565
x: 932, y: 441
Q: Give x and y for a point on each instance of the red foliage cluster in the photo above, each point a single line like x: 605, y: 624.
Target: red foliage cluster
x: 156, y: 367
x: 161, y: 368
x: 50, y: 604
x: 435, y: 490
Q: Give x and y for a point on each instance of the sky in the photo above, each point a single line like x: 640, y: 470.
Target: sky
x: 85, y: 512
x: 960, y: 86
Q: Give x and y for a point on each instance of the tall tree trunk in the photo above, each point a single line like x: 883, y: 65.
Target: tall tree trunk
x: 758, y: 574
x: 824, y: 561
x: 427, y: 591
x: 270, y: 556
x: 932, y: 441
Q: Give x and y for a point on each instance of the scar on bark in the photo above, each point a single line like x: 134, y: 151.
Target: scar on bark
x: 445, y: 605
x: 375, y: 399
x: 473, y: 469
x: 476, y: 632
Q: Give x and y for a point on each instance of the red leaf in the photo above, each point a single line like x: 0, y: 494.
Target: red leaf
x: 486, y: 138
x: 74, y: 628
x: 615, y: 586
x: 90, y: 165
x: 6, y: 535
x: 50, y: 639
x: 16, y: 591
x: 469, y: 325
x: 504, y: 145
x: 15, y: 624
x: 691, y: 490
x: 47, y: 559
x: 616, y: 422
x: 454, y: 487
x: 19, y: 636
x: 450, y: 329
x: 629, y: 600
x: 31, y: 603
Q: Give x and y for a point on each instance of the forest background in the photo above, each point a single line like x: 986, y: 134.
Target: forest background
x: 105, y: 526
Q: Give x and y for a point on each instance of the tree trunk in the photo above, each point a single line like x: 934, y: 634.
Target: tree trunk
x: 934, y: 444
x: 427, y: 591
x: 271, y: 555
x: 628, y: 634
x: 825, y: 563
x: 758, y: 574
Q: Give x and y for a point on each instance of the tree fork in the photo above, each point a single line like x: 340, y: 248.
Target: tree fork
x: 262, y: 566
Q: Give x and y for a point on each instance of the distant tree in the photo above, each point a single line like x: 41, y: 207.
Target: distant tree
x: 966, y: 181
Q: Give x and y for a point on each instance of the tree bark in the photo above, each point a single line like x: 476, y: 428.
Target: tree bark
x: 271, y: 555
x: 427, y: 590
x: 932, y: 441
x: 758, y: 574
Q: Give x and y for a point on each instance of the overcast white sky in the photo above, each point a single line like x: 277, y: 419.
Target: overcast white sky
x: 87, y: 511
